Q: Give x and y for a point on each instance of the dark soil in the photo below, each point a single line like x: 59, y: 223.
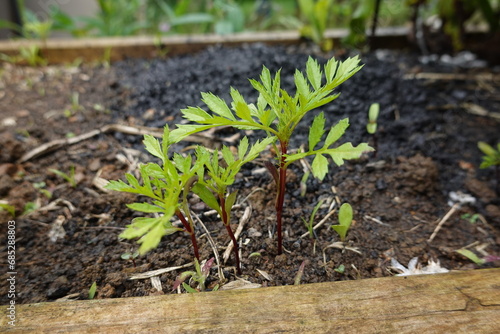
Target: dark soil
x: 427, y: 147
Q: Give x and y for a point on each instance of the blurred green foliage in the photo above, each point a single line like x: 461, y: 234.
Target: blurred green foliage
x: 310, y: 17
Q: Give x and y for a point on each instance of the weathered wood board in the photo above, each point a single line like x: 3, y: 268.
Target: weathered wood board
x: 119, y: 48
x: 458, y: 302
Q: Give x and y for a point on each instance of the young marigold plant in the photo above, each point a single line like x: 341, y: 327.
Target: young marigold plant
x: 278, y: 113
x: 167, y: 185
x: 213, y: 190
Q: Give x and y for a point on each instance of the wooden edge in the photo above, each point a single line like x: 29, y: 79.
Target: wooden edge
x: 463, y: 301
x: 119, y: 48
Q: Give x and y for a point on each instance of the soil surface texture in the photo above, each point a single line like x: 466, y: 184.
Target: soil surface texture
x: 433, y: 113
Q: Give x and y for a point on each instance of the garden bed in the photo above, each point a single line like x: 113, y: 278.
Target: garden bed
x: 432, y: 116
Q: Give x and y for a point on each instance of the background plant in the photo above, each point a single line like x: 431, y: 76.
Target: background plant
x: 277, y: 114
x: 316, y: 13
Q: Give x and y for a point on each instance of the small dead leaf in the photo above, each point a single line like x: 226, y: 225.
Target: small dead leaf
x: 265, y: 275
x: 156, y: 283
x: 57, y: 230
x: 240, y: 284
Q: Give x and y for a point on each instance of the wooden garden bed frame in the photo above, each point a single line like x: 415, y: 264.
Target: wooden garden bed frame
x: 118, y: 48
x: 456, y: 302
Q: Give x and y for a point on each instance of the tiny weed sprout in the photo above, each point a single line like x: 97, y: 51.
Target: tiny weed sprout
x: 9, y: 208
x: 340, y: 269
x: 213, y: 190
x: 373, y: 112
x: 471, y: 218
x: 371, y: 126
x: 490, y: 158
x: 167, y: 185
x: 92, y: 290
x: 471, y: 256
x: 70, y: 178
x: 345, y: 220
x: 199, y: 276
x: 29, y: 208
x: 130, y: 256
x: 491, y: 155
x: 278, y: 113
x: 310, y: 223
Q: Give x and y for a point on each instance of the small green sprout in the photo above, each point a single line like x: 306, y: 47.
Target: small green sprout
x: 491, y: 155
x: 254, y: 254
x: 340, y: 269
x: 471, y: 218
x: 29, y: 208
x: 130, y: 256
x: 345, y: 220
x: 371, y: 126
x: 373, y: 112
x: 92, y: 290
x: 490, y: 158
x: 40, y: 186
x: 471, y: 256
x: 199, y: 276
x: 75, y: 105
x: 70, y: 178
x: 9, y: 208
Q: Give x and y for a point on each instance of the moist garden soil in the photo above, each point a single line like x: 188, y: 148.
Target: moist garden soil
x: 427, y: 147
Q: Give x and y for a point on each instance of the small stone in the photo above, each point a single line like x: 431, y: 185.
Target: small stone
x: 149, y: 114
x: 94, y: 165
x: 380, y: 184
x: 253, y: 233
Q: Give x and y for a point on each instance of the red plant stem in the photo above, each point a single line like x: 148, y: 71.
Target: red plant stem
x: 225, y: 220
x: 280, y: 199
x: 190, y: 231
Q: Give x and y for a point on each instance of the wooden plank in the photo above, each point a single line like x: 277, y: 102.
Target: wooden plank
x: 458, y: 302
x: 94, y: 49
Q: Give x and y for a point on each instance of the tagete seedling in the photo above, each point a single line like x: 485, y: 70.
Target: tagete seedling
x: 213, y: 190
x: 167, y: 185
x: 210, y: 174
x: 278, y: 114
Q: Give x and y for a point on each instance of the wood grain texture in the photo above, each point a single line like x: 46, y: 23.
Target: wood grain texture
x: 458, y: 302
